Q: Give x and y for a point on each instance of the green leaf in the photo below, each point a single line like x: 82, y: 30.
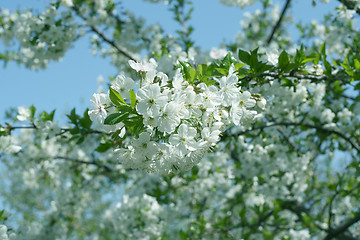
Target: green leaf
x: 73, y: 117
x: 192, y: 74
x: 327, y: 67
x: 254, y: 62
x: 32, y: 112
x: 357, y: 86
x: 308, y: 59
x: 132, y: 98
x: 238, y: 66
x: 323, y: 50
x: 244, y: 56
x: 222, y: 71
x: 202, y: 69
x: 103, y: 147
x: 46, y: 116
x: 283, y: 60
x: 1, y: 213
x: 115, y: 118
x: 116, y: 98
x: 85, y: 122
x: 357, y: 64
x: 80, y: 140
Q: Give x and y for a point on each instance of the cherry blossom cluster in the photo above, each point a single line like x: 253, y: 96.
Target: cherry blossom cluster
x: 238, y: 3
x: 4, y: 235
x: 180, y: 122
x: 42, y: 37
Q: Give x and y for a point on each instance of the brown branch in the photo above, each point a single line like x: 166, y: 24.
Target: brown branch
x: 298, y: 76
x: 105, y: 38
x: 272, y: 124
x: 112, y: 43
x: 342, y: 228
x: 278, y: 23
x: 10, y: 128
x: 105, y: 167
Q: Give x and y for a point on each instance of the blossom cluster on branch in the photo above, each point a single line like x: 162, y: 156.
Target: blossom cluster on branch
x: 256, y: 139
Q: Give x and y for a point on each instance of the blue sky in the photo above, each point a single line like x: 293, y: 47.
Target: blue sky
x: 71, y: 82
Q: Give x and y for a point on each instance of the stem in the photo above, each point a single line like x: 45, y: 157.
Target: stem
x: 278, y: 23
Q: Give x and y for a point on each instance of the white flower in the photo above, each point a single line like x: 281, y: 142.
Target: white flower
x: 50, y: 128
x: 23, y: 113
x: 218, y: 53
x: 149, y: 78
x: 123, y: 85
x: 143, y: 66
x: 210, y: 136
x: 228, y: 90
x: 184, y: 139
x: 168, y: 118
x: 236, y: 113
x: 143, y: 146
x: 6, y: 145
x: 261, y: 104
x: 178, y: 81
x: 345, y: 115
x: 3, y: 232
x: 209, y: 97
x: 272, y: 56
x: 126, y: 156
x: 327, y: 116
x: 151, y: 100
x: 67, y: 3
x: 246, y: 101
x: 98, y: 102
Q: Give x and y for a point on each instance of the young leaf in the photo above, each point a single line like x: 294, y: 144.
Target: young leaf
x: 115, y: 118
x: 85, y: 122
x: 244, y: 56
x: 283, y: 61
x: 132, y: 98
x: 357, y: 64
x: 116, y: 98
x: 32, y: 112
x: 103, y: 147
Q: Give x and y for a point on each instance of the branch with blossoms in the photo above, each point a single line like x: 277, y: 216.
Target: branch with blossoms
x: 352, y: 5
x: 300, y: 124
x: 78, y: 161
x: 341, y: 229
x: 113, y: 44
x: 104, y: 37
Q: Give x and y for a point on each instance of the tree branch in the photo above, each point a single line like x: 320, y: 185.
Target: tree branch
x: 105, y: 38
x: 342, y: 228
x: 278, y: 23
x: 105, y: 167
x: 10, y: 128
x: 112, y: 43
x: 272, y: 124
x: 298, y: 76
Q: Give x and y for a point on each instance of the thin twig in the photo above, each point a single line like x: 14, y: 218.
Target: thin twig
x: 105, y: 38
x: 112, y: 43
x: 278, y: 23
x: 84, y: 162
x: 61, y: 129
